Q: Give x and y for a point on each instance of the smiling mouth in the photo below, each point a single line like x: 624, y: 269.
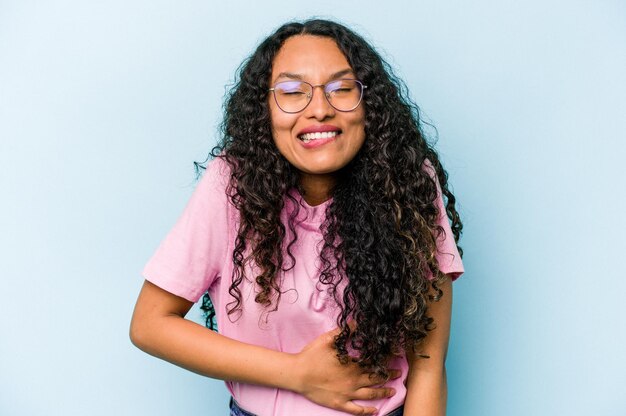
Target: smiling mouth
x: 308, y: 137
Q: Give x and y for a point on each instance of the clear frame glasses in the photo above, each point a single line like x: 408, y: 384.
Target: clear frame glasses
x: 294, y: 96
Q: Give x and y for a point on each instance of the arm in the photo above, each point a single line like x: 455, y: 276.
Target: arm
x: 427, y: 389
x: 158, y: 327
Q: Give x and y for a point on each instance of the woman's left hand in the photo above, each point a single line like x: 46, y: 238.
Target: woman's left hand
x: 324, y: 380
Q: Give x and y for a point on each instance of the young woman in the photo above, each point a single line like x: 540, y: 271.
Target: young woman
x: 320, y: 235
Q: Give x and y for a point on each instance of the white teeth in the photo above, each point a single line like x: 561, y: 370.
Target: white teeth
x: 307, y: 137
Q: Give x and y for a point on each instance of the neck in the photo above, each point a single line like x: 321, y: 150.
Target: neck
x: 316, y: 187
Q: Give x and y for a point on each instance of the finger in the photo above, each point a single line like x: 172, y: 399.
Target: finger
x: 393, y: 374
x: 372, y: 379
x: 369, y: 393
x: 355, y: 409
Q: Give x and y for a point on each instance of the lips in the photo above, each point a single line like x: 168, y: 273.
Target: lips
x: 321, y: 132
x: 307, y: 137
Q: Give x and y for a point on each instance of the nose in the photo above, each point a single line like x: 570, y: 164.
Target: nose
x: 319, y: 107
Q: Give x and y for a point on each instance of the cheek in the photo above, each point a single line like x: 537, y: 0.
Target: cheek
x: 281, y: 122
x: 358, y: 126
x: 357, y: 117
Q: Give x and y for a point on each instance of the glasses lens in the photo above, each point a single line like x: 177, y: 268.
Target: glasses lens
x: 344, y: 94
x: 292, y: 96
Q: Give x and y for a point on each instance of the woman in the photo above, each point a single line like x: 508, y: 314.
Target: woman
x: 320, y: 233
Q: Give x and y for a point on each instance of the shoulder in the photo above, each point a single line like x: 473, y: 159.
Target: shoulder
x: 218, y: 170
x: 428, y: 167
x: 215, y: 179
x: 211, y: 193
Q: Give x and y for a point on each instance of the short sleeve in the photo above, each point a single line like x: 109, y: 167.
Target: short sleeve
x: 448, y: 256
x: 192, y: 254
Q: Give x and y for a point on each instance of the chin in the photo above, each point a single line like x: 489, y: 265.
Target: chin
x: 318, y: 170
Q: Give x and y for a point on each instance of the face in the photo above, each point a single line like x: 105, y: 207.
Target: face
x: 316, y: 60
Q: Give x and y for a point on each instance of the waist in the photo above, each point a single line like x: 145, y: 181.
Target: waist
x: 236, y: 410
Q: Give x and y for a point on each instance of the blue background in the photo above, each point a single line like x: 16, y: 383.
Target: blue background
x: 105, y: 105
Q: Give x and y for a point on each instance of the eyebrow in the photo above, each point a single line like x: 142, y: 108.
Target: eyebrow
x: 299, y: 77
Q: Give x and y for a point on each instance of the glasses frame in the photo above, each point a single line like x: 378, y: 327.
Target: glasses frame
x: 326, y: 94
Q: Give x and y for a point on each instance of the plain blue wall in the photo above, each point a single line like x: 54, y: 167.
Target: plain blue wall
x: 104, y: 106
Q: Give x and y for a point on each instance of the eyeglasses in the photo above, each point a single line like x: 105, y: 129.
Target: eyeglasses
x: 294, y: 96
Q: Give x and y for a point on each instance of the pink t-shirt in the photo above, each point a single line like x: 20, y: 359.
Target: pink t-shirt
x: 196, y: 256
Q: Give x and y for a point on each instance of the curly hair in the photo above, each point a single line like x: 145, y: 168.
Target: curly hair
x: 381, y: 228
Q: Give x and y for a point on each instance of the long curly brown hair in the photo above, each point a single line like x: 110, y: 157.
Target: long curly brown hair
x: 380, y: 232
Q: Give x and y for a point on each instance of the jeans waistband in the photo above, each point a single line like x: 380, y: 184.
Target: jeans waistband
x: 236, y: 410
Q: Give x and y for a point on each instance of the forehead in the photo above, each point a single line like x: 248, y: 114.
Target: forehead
x: 312, y: 57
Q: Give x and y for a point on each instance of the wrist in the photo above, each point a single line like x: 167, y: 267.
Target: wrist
x: 291, y: 374
x: 295, y: 375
